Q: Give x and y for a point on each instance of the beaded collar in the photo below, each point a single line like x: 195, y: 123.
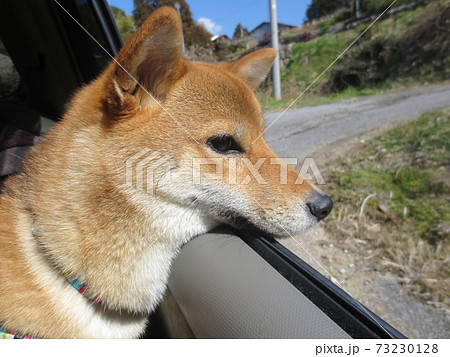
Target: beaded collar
x: 80, y: 287
x: 6, y: 334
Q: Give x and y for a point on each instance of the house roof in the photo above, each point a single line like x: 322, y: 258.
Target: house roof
x: 266, y: 22
x: 219, y: 37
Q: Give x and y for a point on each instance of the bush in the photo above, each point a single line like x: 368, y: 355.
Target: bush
x: 324, y: 26
x: 371, y: 7
x: 319, y: 8
x: 341, y: 16
x: 223, y: 49
x: 196, y: 35
x: 420, y: 49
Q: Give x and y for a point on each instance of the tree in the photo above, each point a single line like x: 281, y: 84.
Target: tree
x: 319, y: 8
x: 142, y: 10
x: 124, y: 22
x: 240, y: 30
x: 197, y: 35
x: 194, y: 33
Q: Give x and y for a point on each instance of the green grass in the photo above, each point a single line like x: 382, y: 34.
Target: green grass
x: 403, y: 176
x: 429, y: 135
x: 310, y: 58
x: 268, y: 103
x: 360, y: 91
x: 324, y: 26
x: 404, y: 19
x: 271, y: 104
x: 410, y: 163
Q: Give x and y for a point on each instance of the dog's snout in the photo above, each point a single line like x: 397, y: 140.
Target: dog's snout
x: 320, y: 205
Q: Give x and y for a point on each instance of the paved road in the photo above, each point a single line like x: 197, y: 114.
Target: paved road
x: 300, y: 132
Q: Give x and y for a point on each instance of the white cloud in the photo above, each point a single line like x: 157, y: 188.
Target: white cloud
x: 210, y: 25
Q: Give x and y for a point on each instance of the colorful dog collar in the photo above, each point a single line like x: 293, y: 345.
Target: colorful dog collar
x: 81, y: 288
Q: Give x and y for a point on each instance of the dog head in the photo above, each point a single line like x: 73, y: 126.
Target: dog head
x: 202, y: 125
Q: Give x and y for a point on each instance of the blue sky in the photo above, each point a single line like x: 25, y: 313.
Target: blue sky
x: 223, y: 16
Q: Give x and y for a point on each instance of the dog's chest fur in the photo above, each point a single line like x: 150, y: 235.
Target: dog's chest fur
x: 137, y: 290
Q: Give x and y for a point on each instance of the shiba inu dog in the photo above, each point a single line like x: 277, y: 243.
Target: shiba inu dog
x: 75, y: 219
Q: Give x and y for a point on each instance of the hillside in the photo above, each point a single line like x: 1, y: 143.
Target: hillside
x: 402, y: 49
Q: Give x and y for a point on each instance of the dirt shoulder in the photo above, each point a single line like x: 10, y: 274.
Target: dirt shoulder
x: 349, y: 260
x: 381, y: 293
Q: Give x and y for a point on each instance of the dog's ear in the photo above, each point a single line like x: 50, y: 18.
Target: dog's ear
x: 252, y: 68
x: 149, y: 62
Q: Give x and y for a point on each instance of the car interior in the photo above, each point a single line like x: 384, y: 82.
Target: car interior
x: 227, y: 283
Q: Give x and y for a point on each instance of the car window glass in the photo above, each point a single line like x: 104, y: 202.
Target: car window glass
x: 91, y: 24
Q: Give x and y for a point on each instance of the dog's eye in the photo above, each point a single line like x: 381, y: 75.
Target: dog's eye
x: 224, y: 144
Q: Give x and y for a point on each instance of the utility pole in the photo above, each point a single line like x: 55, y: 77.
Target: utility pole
x: 177, y: 6
x: 276, y: 63
x: 357, y: 9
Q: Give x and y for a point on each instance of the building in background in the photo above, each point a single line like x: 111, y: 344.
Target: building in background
x: 261, y: 33
x: 221, y: 38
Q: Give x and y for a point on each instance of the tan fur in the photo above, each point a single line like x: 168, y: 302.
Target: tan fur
x: 94, y: 227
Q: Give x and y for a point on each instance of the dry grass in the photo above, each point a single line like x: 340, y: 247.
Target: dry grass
x: 392, y: 205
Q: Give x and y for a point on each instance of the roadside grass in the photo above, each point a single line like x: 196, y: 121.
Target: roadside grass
x: 392, y: 204
x: 271, y: 104
x: 268, y: 103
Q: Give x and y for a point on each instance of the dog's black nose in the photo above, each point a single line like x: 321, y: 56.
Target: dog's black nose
x: 320, y: 205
